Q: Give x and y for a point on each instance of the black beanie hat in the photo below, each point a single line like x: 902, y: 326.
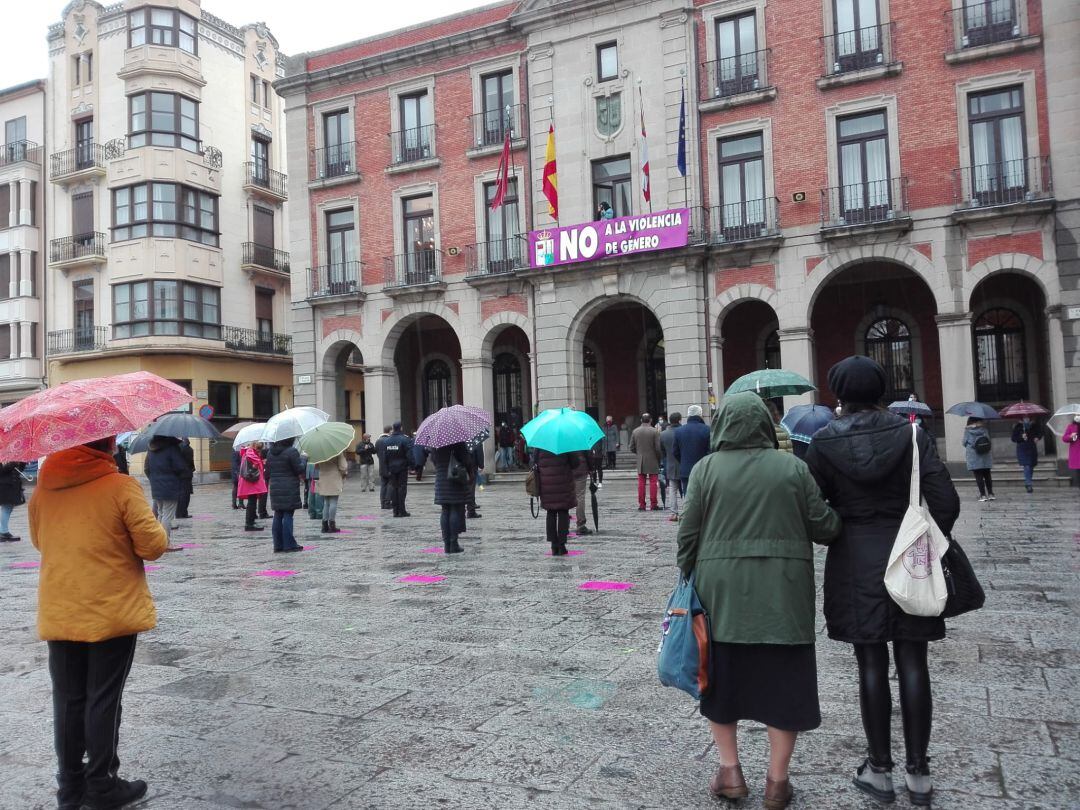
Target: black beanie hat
x: 857, y: 379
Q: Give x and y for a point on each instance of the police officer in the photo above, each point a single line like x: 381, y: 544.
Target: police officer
x: 395, y: 456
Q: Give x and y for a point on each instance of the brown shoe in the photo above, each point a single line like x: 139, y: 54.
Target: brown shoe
x: 777, y: 794
x: 728, y: 783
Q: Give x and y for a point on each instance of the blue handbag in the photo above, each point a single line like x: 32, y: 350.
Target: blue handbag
x: 683, y: 656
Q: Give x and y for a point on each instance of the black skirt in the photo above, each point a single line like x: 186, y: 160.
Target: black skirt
x: 774, y: 684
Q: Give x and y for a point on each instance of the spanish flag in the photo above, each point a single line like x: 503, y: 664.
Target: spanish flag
x: 550, y: 184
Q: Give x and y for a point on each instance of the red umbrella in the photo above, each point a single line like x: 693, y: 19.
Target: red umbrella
x: 84, y: 411
x: 1023, y: 410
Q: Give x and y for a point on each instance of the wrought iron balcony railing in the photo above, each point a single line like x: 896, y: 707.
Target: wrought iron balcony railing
x: 1003, y: 183
x: 252, y: 340
x: 735, y: 75
x: 264, y: 256
x: 72, y: 161
x: 412, y: 145
x: 260, y: 175
x: 81, y: 246
x: 80, y: 339
x: 413, y: 269
x: 342, y: 278
x: 495, y: 257
x: 338, y: 160
x: 744, y: 220
x: 867, y: 203
x: 984, y: 22
x: 20, y: 152
x: 860, y: 49
x: 490, y: 128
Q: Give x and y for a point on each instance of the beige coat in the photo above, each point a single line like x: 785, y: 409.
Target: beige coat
x: 645, y: 442
x: 332, y: 476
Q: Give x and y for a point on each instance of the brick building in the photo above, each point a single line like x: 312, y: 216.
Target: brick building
x: 878, y: 182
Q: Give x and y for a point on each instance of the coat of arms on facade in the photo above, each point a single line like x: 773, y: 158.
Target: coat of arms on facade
x: 609, y: 114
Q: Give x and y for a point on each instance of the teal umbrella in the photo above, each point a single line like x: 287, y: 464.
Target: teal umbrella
x: 771, y: 382
x: 562, y: 430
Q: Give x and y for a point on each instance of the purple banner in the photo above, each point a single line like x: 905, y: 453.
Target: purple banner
x: 608, y: 238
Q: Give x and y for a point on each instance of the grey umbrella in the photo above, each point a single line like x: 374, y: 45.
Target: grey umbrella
x: 180, y: 425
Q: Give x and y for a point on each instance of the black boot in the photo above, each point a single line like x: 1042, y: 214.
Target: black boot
x: 333, y: 529
x: 121, y: 794
x: 325, y: 527
x: 450, y: 546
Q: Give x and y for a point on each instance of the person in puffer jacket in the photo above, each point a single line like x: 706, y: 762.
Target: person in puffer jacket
x: 557, y: 494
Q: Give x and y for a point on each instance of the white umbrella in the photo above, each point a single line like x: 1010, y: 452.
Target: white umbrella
x: 248, y: 434
x: 293, y: 422
x: 1062, y: 416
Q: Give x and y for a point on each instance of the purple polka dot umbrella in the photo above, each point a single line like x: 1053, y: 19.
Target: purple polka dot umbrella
x: 458, y: 423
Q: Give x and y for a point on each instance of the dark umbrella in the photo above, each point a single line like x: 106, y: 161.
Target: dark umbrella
x: 907, y: 407
x: 803, y: 421
x: 595, y: 506
x: 180, y: 425
x: 979, y: 410
x: 1023, y: 410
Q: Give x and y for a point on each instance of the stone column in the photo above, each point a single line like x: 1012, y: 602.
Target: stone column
x: 381, y: 397
x: 478, y: 389
x: 716, y: 349
x: 25, y: 339
x: 26, y: 273
x: 957, y: 376
x: 326, y: 394
x: 13, y: 274
x: 26, y: 203
x: 13, y: 340
x: 682, y: 319
x: 13, y: 199
x: 797, y: 354
x: 1056, y: 341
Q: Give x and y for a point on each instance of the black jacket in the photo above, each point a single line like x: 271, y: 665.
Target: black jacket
x: 11, y: 484
x: 395, y: 453
x: 165, y: 466
x: 283, y: 470
x: 365, y: 453
x: 556, y: 472
x: 862, y: 462
x: 188, y: 452
x: 449, y: 492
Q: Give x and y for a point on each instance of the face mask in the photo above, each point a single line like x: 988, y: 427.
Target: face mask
x: 1077, y: 419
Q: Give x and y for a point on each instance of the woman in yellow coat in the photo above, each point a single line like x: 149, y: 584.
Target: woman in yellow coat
x: 331, y: 484
x: 94, y: 528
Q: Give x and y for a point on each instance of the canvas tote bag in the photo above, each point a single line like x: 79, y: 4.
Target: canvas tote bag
x: 913, y: 576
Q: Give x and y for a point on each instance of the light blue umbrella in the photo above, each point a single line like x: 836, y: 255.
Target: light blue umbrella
x: 562, y: 430
x: 803, y: 421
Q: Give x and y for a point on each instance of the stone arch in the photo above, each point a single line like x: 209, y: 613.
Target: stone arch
x: 330, y: 348
x: 1044, y: 274
x: 491, y: 328
x: 740, y: 293
x: 406, y: 314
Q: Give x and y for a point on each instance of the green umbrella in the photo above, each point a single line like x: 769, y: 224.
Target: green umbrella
x: 326, y: 441
x: 562, y: 430
x: 771, y: 382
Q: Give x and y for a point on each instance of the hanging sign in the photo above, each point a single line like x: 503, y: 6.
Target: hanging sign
x: 608, y: 238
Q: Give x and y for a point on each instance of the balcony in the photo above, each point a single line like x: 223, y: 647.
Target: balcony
x: 489, y: 130
x: 745, y: 225
x: 163, y: 60
x: 859, y: 55
x: 258, y: 258
x: 82, y: 339
x: 335, y: 164
x: 83, y: 250
x: 872, y: 206
x: 1021, y: 186
x: 416, y: 272
x: 251, y: 340
x: 735, y: 80
x: 20, y: 152
x: 987, y: 28
x: 413, y: 148
x: 262, y: 181
x: 495, y: 259
x: 334, y: 281
x: 84, y: 161
x: 128, y: 164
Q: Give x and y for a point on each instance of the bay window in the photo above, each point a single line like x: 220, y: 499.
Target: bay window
x: 163, y: 26
x: 166, y: 307
x: 163, y: 119
x: 165, y: 209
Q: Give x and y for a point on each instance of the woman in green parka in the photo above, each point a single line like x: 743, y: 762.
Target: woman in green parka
x: 749, y: 520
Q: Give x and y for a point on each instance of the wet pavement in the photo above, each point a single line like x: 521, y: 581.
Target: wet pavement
x: 352, y: 676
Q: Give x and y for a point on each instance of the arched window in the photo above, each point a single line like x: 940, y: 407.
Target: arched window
x: 772, y: 350
x: 888, y: 341
x: 1000, y: 359
x: 436, y: 386
x: 592, y: 382
x: 507, y: 372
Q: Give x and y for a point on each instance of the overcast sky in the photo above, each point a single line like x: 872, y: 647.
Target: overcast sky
x: 299, y: 25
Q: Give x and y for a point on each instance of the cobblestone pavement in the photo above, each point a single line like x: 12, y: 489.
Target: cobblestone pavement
x: 505, y: 685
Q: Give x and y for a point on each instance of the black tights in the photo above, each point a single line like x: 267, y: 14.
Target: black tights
x: 875, y: 699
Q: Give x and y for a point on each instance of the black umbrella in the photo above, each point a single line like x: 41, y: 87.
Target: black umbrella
x: 595, y: 507
x: 180, y: 425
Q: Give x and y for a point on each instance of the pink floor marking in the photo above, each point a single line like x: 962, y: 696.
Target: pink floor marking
x: 274, y: 573
x: 421, y: 579
x: 573, y: 552
x: 605, y: 585
x: 152, y: 567
x: 191, y: 545
x: 432, y: 550
x: 30, y: 564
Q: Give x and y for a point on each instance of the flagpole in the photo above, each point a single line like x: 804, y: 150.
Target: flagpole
x: 641, y: 101
x: 686, y: 174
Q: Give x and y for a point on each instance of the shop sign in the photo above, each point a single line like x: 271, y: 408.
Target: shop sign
x: 610, y: 238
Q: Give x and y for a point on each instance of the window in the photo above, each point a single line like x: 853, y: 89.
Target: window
x: 736, y: 55
x: 988, y: 21
x: 162, y: 307
x: 84, y: 143
x: 82, y: 217
x: 176, y: 211
x: 338, y: 142
x: 998, y: 150
x: 416, y: 127
x: 163, y: 26
x: 266, y: 94
x: 264, y: 314
x: 163, y: 119
x: 221, y: 396
x: 607, y: 62
x: 501, y: 226
x: 341, y: 250
x: 436, y: 386
x: 254, y: 89
x: 5, y: 275
x: 82, y: 68
x: 419, y: 239
x: 265, y: 401
x: 1000, y: 356
x: 507, y: 384
x: 5, y: 341
x: 863, y: 144
x: 15, y: 142
x: 5, y: 206
x: 742, y: 187
x: 888, y: 341
x: 260, y: 159
x: 83, y: 298
x: 858, y: 37
x: 611, y: 184
x: 498, y: 98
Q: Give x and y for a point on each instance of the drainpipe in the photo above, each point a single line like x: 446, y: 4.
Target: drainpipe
x: 529, y: 221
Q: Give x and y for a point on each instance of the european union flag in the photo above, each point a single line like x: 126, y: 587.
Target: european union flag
x: 682, y: 133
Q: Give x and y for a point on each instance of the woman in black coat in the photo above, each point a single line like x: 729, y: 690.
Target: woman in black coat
x: 452, y: 494
x: 11, y: 495
x: 862, y: 462
x: 284, y: 472
x: 557, y: 495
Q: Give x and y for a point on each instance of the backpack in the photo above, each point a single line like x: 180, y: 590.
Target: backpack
x: 982, y: 445
x: 456, y: 471
x: 249, y: 471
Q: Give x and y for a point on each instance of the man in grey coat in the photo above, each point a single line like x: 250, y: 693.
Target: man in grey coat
x: 611, y: 441
x: 645, y: 443
x: 671, y: 464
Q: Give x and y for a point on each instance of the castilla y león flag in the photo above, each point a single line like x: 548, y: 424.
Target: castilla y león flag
x: 550, y: 185
x: 504, y: 175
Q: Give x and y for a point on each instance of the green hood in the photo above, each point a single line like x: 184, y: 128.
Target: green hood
x: 742, y: 423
